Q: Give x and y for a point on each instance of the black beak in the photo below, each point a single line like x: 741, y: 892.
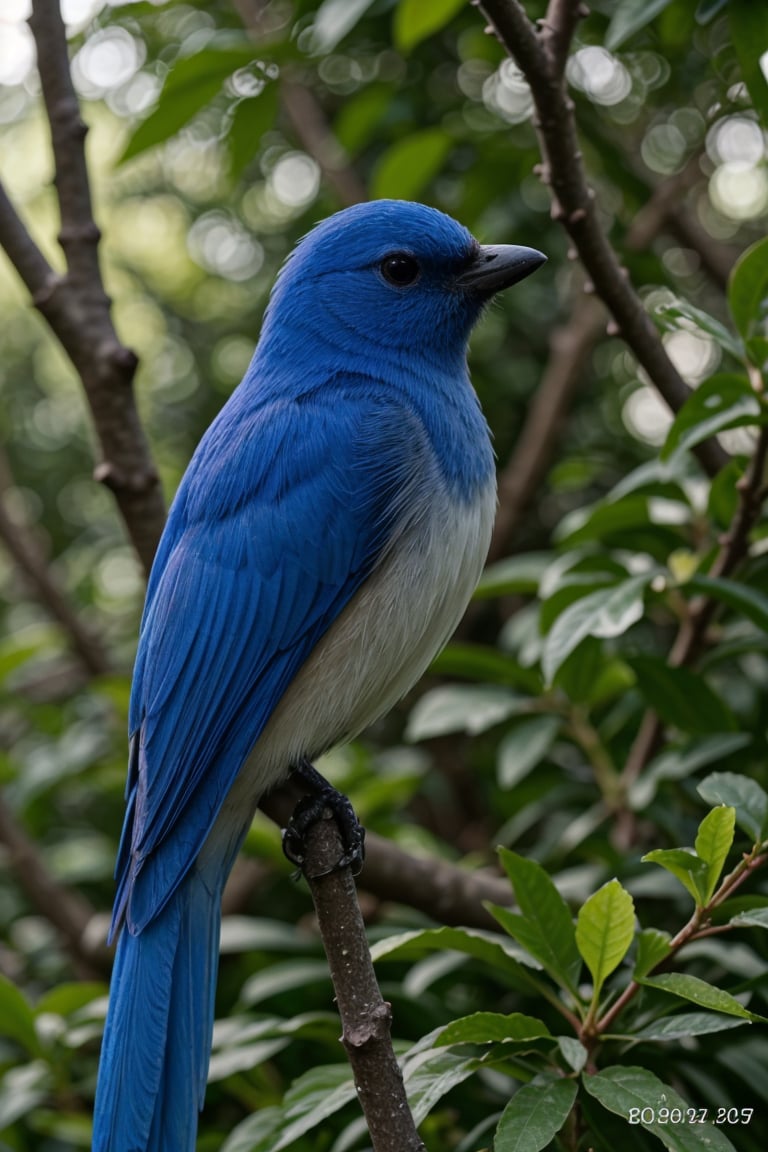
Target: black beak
x: 498, y: 266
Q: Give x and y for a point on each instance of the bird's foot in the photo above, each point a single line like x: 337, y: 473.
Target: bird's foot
x: 311, y: 808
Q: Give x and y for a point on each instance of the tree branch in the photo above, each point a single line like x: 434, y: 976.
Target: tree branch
x: 439, y: 889
x: 366, y: 1018
x: 539, y: 56
x: 75, y: 304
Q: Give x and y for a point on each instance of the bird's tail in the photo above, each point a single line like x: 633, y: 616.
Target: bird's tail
x: 157, y: 1037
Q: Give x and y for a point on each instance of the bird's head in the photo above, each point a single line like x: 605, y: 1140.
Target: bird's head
x: 389, y: 278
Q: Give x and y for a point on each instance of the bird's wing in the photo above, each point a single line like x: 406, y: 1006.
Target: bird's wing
x: 281, y: 516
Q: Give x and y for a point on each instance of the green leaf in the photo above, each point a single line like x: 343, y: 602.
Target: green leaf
x: 429, y: 1078
x: 748, y: 290
x: 492, y: 1027
x: 652, y: 948
x: 686, y: 1024
x: 605, y: 927
x: 312, y: 1098
x: 406, y: 168
x: 523, y: 748
x: 574, y: 1052
x: 701, y: 993
x: 741, y: 597
x: 462, y: 708
x: 417, y: 19
x: 713, y: 843
x: 17, y: 1018
x: 637, y: 1093
x: 545, y: 922
x: 629, y: 17
x: 486, y: 664
x: 680, y: 696
x: 22, y: 1090
x: 606, y: 613
x: 68, y: 998
x: 747, y: 27
x: 686, y: 866
x: 725, y: 400
x: 757, y: 917
x: 534, y: 1116
x: 333, y: 20
x: 676, y: 763
x: 514, y: 575
x: 251, y: 119
x: 191, y: 83
x: 742, y: 793
x: 501, y: 956
x: 670, y: 315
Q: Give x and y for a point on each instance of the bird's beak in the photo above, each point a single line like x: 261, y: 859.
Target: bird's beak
x: 497, y: 266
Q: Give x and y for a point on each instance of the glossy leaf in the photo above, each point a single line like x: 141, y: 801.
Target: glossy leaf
x: 605, y: 614
x: 676, y: 763
x: 605, y: 927
x: 756, y: 917
x: 686, y: 866
x: 723, y: 401
x: 522, y: 748
x: 428, y: 1079
x: 622, y: 1089
x: 545, y: 926
x: 462, y: 708
x: 629, y: 17
x: 742, y: 793
x: 713, y: 843
x: 652, y: 948
x: 534, y: 1116
x: 492, y: 1027
x: 191, y: 83
x: 684, y: 1024
x: 514, y: 575
x: 701, y: 993
x: 741, y: 597
x: 671, y: 315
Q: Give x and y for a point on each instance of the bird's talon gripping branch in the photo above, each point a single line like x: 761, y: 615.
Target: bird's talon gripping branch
x: 322, y: 797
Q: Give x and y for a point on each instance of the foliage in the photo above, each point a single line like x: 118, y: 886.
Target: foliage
x: 609, y: 682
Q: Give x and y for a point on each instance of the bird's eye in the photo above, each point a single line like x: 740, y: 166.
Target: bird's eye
x: 400, y: 269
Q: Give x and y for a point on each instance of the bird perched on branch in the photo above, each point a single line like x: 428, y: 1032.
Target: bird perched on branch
x: 321, y: 548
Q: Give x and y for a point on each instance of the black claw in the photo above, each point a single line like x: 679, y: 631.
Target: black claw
x: 310, y: 809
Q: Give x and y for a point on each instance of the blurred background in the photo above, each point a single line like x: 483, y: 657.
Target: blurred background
x: 219, y: 133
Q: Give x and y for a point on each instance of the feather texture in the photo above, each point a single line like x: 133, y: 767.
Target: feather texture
x: 320, y: 550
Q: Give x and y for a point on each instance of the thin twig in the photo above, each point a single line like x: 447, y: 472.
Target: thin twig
x: 573, y: 199
x: 698, y: 926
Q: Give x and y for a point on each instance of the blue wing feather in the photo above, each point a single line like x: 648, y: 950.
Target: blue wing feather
x: 268, y: 539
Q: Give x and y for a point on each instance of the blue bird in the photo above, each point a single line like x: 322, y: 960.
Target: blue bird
x: 321, y: 548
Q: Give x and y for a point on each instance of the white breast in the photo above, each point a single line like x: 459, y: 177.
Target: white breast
x: 383, y: 640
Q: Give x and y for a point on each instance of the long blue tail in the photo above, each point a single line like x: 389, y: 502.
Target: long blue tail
x: 157, y: 1037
